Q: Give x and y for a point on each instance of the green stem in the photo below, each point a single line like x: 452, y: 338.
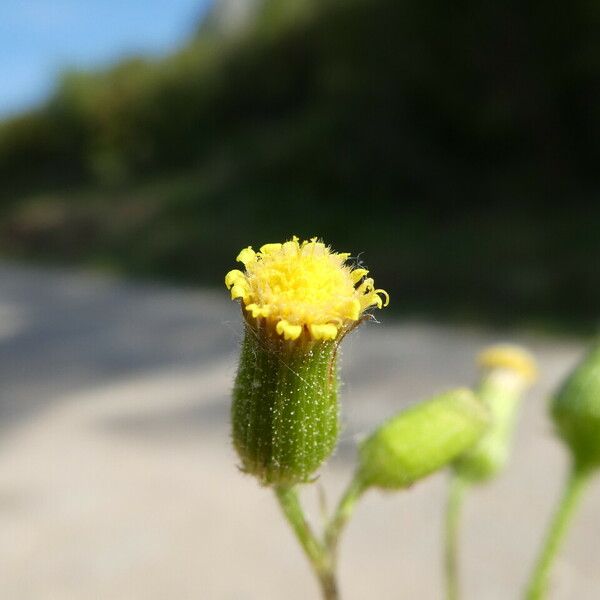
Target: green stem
x: 456, y: 496
x: 342, y: 515
x: 573, y: 489
x: 317, y: 554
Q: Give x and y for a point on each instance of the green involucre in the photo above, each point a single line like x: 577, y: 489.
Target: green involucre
x: 422, y: 439
x: 285, y: 407
x: 500, y: 392
x: 576, y: 410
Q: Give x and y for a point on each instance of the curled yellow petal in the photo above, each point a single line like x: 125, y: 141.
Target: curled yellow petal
x: 385, y: 295
x: 366, y: 286
x: 258, y: 311
x: 291, y: 248
x: 353, y: 311
x: 313, y: 246
x: 234, y: 277
x: 270, y: 248
x: 323, y: 332
x: 239, y: 291
x: 288, y: 331
x: 303, y: 288
x: 246, y: 256
x: 358, y: 274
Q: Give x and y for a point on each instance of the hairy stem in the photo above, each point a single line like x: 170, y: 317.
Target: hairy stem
x: 341, y: 516
x: 574, y: 486
x: 316, y: 552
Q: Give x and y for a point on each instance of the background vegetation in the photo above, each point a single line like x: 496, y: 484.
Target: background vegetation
x: 459, y: 146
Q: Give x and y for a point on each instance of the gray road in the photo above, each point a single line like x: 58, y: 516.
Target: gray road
x: 117, y: 480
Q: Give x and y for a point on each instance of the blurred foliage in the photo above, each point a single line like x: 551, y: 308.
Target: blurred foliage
x: 457, y: 145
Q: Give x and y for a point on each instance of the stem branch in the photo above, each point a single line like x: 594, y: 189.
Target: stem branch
x: 322, y: 555
x: 342, y: 515
x: 315, y: 551
x: 573, y: 489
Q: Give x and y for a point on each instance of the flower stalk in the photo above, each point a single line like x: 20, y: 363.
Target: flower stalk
x: 507, y: 371
x: 341, y: 516
x: 322, y: 554
x: 573, y: 490
x: 316, y: 552
x: 299, y: 300
x: 575, y: 409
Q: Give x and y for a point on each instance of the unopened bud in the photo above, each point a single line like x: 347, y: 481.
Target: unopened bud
x: 576, y: 410
x: 421, y: 440
x: 285, y: 407
x: 299, y: 300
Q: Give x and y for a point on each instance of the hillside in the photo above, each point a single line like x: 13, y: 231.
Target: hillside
x: 457, y: 147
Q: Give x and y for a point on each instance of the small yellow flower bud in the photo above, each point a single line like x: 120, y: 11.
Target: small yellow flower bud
x: 507, y: 371
x: 299, y: 299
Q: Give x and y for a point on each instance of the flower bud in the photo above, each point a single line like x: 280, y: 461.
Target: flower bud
x: 576, y: 410
x: 507, y: 371
x: 299, y: 299
x: 422, y: 439
x: 285, y: 407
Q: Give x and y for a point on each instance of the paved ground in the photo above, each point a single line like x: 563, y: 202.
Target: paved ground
x: 117, y: 480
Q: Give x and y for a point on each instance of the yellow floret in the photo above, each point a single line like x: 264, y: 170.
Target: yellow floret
x: 506, y: 356
x: 303, y: 287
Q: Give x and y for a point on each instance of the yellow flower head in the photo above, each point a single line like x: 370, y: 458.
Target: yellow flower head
x: 303, y: 287
x: 512, y: 358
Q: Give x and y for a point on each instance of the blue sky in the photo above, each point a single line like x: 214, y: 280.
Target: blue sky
x: 39, y: 37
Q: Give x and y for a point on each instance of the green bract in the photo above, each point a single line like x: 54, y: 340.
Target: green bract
x: 576, y: 410
x: 285, y: 406
x: 421, y: 440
